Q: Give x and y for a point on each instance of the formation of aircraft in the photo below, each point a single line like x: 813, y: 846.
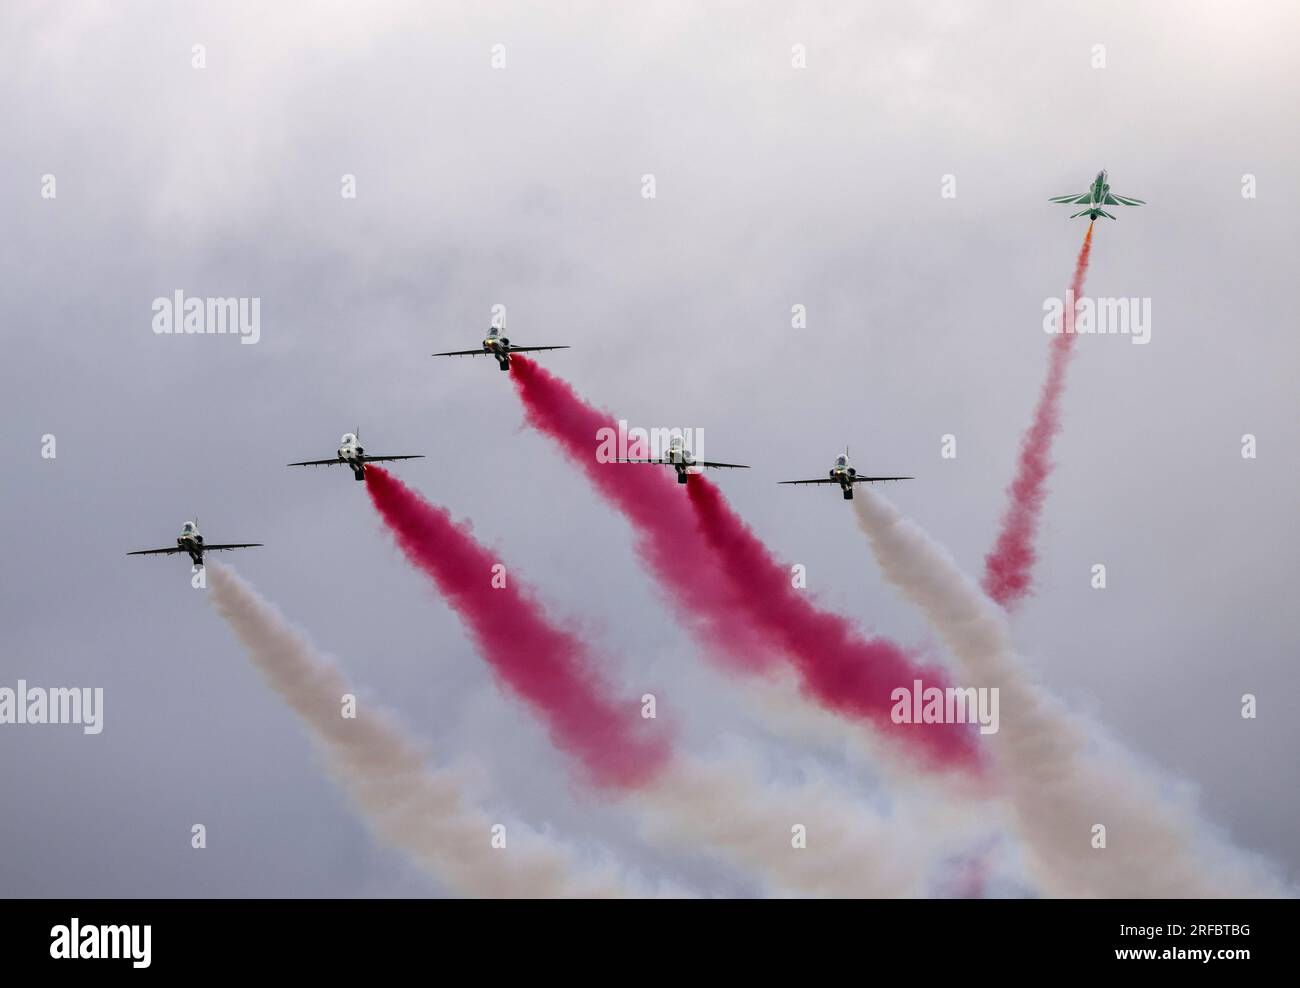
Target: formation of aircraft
x: 498, y: 346
x: 1098, y: 195
x: 354, y: 455
x: 191, y: 541
x: 682, y: 460
x: 844, y: 474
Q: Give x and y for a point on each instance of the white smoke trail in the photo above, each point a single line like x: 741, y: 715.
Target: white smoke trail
x: 407, y: 804
x: 952, y: 814
x: 849, y: 850
x: 1060, y: 783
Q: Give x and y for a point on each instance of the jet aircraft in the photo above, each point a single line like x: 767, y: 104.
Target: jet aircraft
x: 1098, y: 195
x: 191, y: 542
x: 682, y: 460
x: 844, y: 474
x: 498, y: 346
x: 354, y: 455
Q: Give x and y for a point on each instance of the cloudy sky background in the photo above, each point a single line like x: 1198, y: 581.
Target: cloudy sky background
x: 522, y: 186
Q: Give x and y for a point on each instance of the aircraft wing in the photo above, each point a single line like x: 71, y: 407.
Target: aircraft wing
x: 231, y: 545
x: 697, y: 463
x: 381, y: 459
x: 1086, y: 197
x: 859, y: 479
x: 1114, y: 200
x: 316, y: 463
x: 156, y: 552
x: 819, y: 480
x: 462, y: 353
x: 528, y: 349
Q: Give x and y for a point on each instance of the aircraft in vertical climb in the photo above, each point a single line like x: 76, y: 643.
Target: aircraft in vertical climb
x: 1098, y: 195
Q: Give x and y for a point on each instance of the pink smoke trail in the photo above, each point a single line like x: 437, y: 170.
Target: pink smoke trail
x: 842, y: 670
x: 1062, y: 775
x: 1008, y: 568
x: 720, y: 802
x: 666, y: 540
x: 408, y: 803
x: 550, y: 668
x: 839, y: 668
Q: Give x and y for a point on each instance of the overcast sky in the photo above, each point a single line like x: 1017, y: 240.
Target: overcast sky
x: 522, y: 185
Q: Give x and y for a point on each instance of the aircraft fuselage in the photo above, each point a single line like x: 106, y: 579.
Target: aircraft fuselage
x: 1100, y: 189
x: 681, y: 459
x: 499, y: 347
x: 192, y: 543
x: 353, y: 453
x: 843, y: 475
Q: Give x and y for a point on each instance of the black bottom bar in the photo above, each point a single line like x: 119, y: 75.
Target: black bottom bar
x: 334, y: 937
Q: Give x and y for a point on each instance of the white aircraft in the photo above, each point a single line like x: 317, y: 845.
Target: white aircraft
x: 191, y: 541
x: 496, y: 345
x: 845, y: 475
x: 354, y: 455
x: 681, y: 459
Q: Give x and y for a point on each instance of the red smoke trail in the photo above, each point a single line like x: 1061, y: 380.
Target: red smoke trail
x: 650, y: 498
x: 1008, y: 566
x: 842, y: 670
x: 547, y: 666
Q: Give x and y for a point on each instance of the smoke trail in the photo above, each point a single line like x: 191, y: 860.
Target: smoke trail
x: 383, y: 770
x: 1008, y: 566
x: 838, y: 667
x: 546, y: 665
x: 1060, y: 782
x: 850, y: 851
x: 651, y: 500
x: 845, y: 672
x: 721, y: 804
